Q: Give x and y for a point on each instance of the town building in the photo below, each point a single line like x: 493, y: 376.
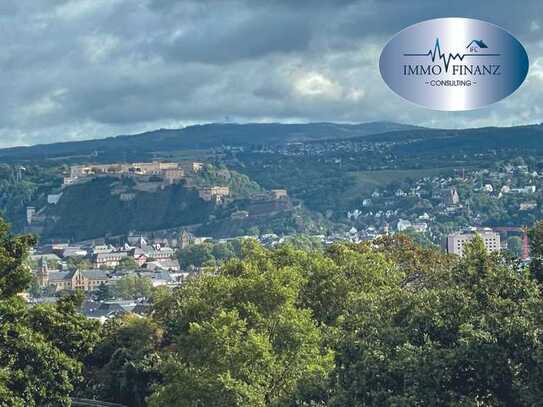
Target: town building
x: 73, y: 251
x: 527, y: 206
x: 216, y: 193
x: 127, y: 196
x: 239, y: 215
x: 169, y: 265
x: 197, y: 167
x: 457, y: 241
x: 421, y: 227
x: 108, y: 260
x: 52, y: 199
x: 279, y: 193
x: 102, y: 248
x: 170, y: 170
x: 139, y: 256
x: 49, y: 257
x: 173, y: 175
x: 403, y: 224
x: 86, y: 280
x: 105, y: 310
x: 160, y: 253
x: 30, y: 212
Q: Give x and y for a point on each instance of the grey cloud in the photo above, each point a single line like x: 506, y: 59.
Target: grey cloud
x: 73, y: 69
x: 253, y: 37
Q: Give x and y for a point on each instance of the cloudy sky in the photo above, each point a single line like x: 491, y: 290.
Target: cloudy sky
x: 77, y: 69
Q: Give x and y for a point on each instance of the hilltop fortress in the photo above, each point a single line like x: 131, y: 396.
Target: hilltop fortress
x: 169, y: 170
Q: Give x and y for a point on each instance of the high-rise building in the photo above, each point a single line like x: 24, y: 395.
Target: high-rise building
x: 30, y: 212
x: 457, y: 241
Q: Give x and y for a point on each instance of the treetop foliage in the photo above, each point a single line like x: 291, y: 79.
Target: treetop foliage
x: 386, y: 322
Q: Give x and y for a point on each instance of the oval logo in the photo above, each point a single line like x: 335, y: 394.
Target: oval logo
x: 453, y: 64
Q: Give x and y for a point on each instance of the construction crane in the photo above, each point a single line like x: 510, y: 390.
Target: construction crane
x: 525, y: 244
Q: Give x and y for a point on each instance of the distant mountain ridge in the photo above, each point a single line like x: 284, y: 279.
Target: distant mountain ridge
x: 203, y: 136
x: 407, y: 138
x: 527, y: 138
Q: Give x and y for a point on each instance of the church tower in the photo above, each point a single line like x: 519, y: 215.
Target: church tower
x: 184, y: 240
x: 453, y: 198
x: 43, y: 273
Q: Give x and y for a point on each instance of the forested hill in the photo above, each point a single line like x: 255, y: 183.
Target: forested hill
x: 200, y: 137
x: 89, y: 210
x: 430, y: 141
x: 408, y: 139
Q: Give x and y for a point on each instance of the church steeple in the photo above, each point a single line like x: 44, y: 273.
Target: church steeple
x: 43, y: 272
x: 184, y: 240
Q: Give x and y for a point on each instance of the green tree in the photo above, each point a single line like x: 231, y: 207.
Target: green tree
x: 514, y: 246
x: 386, y: 322
x: 240, y: 337
x: 305, y: 242
x: 78, y: 263
x: 196, y: 255
x: 53, y: 264
x: 536, y: 250
x: 41, y: 347
x: 253, y: 231
x: 463, y: 337
x: 35, y: 290
x: 334, y: 277
x: 124, y: 365
x: 222, y: 251
x: 417, y: 237
x: 127, y: 263
x: 133, y: 286
x: 104, y: 292
x: 15, y: 275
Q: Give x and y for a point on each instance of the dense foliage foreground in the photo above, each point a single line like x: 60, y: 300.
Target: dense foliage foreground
x: 384, y: 323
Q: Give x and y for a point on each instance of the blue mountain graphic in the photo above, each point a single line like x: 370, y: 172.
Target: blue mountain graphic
x: 436, y: 52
